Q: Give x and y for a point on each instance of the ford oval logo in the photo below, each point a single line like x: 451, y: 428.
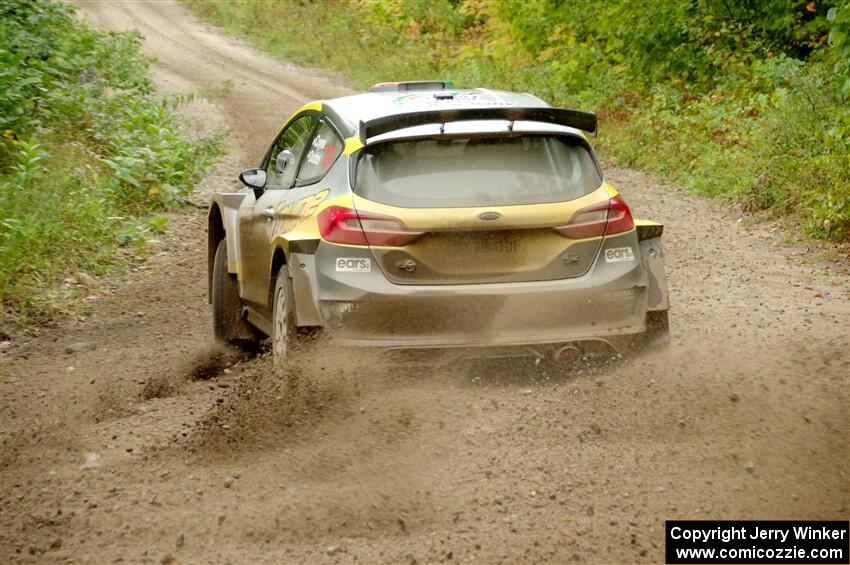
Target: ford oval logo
x: 489, y: 216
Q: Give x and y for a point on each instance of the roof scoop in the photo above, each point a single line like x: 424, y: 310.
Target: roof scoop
x: 412, y: 85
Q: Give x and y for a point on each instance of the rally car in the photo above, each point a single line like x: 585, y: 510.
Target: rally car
x: 418, y: 215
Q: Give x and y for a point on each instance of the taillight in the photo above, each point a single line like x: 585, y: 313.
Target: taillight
x: 607, y: 218
x: 587, y: 222
x: 341, y: 225
x: 619, y: 217
x: 347, y: 226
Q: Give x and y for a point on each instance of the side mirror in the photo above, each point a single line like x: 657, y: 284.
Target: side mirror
x: 253, y: 178
x: 283, y: 159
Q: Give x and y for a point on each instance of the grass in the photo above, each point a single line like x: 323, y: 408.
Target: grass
x: 90, y: 157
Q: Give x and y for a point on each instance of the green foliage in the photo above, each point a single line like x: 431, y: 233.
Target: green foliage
x: 87, y: 151
x: 743, y: 101
x: 839, y: 40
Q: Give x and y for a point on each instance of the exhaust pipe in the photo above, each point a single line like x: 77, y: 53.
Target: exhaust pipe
x: 567, y: 354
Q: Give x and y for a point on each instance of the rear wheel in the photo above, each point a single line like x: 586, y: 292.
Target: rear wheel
x: 657, y: 333
x: 283, y: 326
x: 228, y: 325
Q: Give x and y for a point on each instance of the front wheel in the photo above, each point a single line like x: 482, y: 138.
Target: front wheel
x: 283, y: 326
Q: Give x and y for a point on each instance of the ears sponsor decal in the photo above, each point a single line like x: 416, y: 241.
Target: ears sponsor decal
x: 353, y: 265
x: 619, y: 254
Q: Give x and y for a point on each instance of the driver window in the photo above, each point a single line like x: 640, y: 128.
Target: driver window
x: 287, y: 151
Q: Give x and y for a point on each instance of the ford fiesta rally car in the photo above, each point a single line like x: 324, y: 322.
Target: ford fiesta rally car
x: 421, y: 216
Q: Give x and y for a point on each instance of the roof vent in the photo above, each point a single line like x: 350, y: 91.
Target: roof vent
x: 412, y: 85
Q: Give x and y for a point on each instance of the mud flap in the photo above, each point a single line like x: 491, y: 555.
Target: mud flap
x: 657, y: 334
x: 652, y: 257
x: 302, y: 268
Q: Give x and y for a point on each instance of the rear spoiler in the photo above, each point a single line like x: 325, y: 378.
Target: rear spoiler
x: 585, y: 121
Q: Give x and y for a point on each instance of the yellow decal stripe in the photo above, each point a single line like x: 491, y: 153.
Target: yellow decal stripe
x: 352, y: 145
x: 527, y: 215
x: 314, y: 106
x: 317, y: 106
x: 639, y: 222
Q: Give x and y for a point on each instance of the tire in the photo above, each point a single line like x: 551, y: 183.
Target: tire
x: 283, y: 319
x: 228, y: 325
x: 657, y: 335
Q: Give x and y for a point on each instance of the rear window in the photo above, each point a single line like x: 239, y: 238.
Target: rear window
x: 441, y: 173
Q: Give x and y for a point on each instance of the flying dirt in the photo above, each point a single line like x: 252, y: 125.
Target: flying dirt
x: 129, y: 437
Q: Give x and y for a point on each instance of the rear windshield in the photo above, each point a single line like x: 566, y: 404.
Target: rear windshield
x: 477, y: 172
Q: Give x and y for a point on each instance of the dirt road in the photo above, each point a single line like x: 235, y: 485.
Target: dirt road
x: 111, y: 450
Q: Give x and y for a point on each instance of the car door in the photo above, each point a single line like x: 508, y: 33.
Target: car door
x: 257, y: 227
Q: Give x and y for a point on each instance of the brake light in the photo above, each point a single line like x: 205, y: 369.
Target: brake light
x: 607, y: 218
x: 619, y: 217
x: 587, y: 222
x: 341, y: 225
x: 345, y: 225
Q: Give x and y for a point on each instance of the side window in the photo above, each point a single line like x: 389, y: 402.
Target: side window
x: 322, y: 152
x: 286, y: 153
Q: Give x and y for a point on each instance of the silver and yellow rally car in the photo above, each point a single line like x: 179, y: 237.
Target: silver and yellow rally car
x: 417, y: 215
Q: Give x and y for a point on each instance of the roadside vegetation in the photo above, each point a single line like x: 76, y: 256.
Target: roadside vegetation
x: 90, y: 157
x: 747, y: 102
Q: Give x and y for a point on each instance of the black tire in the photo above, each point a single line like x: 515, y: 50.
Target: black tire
x: 228, y: 325
x: 657, y: 335
x: 283, y: 318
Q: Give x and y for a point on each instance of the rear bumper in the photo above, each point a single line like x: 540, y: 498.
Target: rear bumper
x: 364, y: 308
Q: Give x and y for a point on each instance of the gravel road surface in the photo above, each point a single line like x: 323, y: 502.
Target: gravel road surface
x: 128, y: 438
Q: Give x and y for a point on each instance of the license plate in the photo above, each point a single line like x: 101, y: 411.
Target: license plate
x: 489, y: 244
